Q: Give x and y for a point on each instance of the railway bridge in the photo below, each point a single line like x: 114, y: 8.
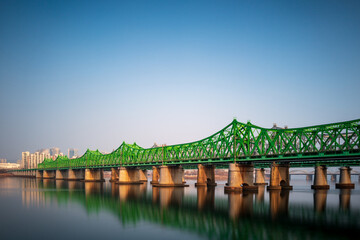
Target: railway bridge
x: 242, y: 148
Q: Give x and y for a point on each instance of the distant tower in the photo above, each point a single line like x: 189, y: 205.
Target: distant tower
x: 24, y: 156
x: 55, y: 151
x: 72, y: 152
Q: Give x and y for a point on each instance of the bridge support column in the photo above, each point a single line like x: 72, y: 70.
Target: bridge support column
x: 94, y: 175
x: 320, y: 180
x: 171, y: 176
x: 39, y: 173
x: 129, y: 176
x: 61, y: 174
x: 48, y: 174
x: 143, y: 175
x: 206, y: 175
x: 155, y: 175
x: 279, y: 177
x: 345, y: 180
x: 260, y: 176
x: 114, y: 175
x: 240, y: 177
x: 333, y: 177
x: 76, y: 174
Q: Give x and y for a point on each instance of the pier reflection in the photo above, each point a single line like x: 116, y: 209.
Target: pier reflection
x: 171, y: 196
x: 240, y: 204
x: 320, y: 196
x: 202, y: 213
x: 279, y: 203
x: 344, y: 199
x: 205, y: 198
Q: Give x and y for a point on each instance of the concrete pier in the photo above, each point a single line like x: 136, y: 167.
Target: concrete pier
x: 143, y: 175
x: 76, y: 174
x: 279, y: 177
x: 129, y: 175
x: 345, y: 178
x: 206, y: 175
x: 39, y: 174
x: 171, y: 176
x: 260, y: 176
x: 320, y: 180
x: 155, y: 175
x: 61, y: 174
x: 48, y: 174
x: 94, y: 175
x: 114, y: 175
x: 240, y: 178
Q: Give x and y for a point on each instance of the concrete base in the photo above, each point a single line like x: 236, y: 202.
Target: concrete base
x: 129, y: 176
x: 240, y: 178
x: 320, y: 187
x: 229, y: 189
x: 260, y: 184
x: 273, y: 188
x: 114, y: 175
x: 345, y: 185
x: 345, y: 179
x: 94, y: 175
x: 143, y: 175
x: 206, y: 175
x: 170, y: 185
x: 279, y: 177
x: 76, y: 175
x: 49, y: 174
x: 171, y: 176
x: 154, y: 182
x: 205, y: 184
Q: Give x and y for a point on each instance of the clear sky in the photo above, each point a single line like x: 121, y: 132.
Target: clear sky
x: 92, y: 74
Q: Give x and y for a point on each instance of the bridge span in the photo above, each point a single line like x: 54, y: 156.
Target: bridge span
x: 242, y: 148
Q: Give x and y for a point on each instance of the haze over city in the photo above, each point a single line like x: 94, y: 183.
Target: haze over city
x: 92, y: 74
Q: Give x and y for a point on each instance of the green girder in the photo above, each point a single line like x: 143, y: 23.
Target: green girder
x: 335, y: 143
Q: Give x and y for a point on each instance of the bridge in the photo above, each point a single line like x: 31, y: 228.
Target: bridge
x: 238, y: 146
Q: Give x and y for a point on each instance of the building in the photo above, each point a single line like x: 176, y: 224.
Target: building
x: 2, y: 160
x: 24, y: 159
x: 55, y: 151
x: 72, y: 153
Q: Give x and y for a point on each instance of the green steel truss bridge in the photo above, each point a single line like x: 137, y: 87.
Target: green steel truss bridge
x: 335, y: 144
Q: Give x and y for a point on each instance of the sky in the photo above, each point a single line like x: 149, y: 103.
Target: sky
x: 92, y: 74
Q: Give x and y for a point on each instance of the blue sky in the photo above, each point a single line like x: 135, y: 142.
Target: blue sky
x: 92, y: 74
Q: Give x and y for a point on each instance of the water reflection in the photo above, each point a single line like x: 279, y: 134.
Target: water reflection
x: 344, y: 198
x: 279, y: 202
x: 205, y: 197
x: 320, y: 196
x: 240, y: 204
x: 171, y: 196
x: 265, y: 213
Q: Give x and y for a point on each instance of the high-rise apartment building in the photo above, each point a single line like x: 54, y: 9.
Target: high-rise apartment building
x: 55, y: 151
x: 72, y: 152
x: 24, y: 156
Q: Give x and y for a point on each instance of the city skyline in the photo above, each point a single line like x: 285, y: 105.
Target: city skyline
x: 92, y: 75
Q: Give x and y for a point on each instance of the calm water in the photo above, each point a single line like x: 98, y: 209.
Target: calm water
x: 40, y: 209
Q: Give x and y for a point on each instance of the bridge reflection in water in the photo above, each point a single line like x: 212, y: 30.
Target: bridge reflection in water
x: 238, y: 215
